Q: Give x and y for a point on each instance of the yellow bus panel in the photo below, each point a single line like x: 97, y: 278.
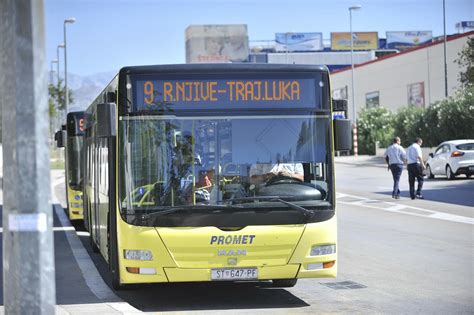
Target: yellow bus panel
x: 74, y: 204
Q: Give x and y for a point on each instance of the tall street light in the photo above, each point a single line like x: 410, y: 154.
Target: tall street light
x: 445, y: 64
x: 57, y: 54
x: 355, y: 7
x: 52, y: 71
x: 354, y: 124
x: 66, y: 21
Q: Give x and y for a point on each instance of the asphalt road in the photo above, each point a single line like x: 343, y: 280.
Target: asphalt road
x: 395, y: 256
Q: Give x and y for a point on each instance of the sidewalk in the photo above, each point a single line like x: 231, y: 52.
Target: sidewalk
x: 365, y: 160
x: 79, y: 287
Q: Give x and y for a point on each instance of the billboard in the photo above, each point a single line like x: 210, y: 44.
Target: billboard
x: 362, y: 40
x: 406, y: 40
x: 299, y: 42
x: 465, y: 24
x: 416, y: 94
x: 217, y: 43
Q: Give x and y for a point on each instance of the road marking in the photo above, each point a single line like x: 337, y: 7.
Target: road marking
x: 400, y: 208
x: 56, y: 229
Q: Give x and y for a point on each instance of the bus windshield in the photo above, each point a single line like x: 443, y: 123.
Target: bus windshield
x: 175, y: 161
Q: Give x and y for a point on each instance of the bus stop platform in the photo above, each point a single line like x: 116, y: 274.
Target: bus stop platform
x: 79, y: 287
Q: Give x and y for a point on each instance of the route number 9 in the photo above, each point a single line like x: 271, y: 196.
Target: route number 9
x: 148, y: 90
x: 81, y: 124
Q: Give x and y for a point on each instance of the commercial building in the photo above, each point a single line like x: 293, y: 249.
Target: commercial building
x: 404, y: 69
x: 414, y: 77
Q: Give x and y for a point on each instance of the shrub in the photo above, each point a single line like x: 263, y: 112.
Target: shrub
x: 374, y: 124
x: 409, y: 124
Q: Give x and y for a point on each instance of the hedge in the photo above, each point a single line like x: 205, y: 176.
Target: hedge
x: 452, y: 118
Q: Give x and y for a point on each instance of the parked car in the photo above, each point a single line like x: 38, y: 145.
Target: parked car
x: 452, y: 158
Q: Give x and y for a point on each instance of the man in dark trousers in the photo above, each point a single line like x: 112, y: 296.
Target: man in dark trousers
x: 395, y: 156
x: 415, y: 168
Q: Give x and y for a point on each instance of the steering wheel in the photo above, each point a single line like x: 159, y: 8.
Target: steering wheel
x: 280, y: 179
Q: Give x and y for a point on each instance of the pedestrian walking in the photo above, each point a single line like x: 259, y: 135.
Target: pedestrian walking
x: 395, y: 156
x: 415, y: 168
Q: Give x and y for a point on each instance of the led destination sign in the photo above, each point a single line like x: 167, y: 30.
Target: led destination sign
x: 75, y: 123
x: 221, y: 94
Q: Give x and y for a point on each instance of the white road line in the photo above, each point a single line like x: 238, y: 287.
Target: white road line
x: 403, y: 209
x: 395, y: 208
x: 56, y: 229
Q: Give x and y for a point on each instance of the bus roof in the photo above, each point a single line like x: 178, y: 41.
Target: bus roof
x: 217, y: 67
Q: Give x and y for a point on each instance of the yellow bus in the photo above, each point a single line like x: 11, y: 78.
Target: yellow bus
x: 72, y: 140
x: 219, y: 172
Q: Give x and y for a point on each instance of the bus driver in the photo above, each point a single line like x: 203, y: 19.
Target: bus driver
x: 261, y: 173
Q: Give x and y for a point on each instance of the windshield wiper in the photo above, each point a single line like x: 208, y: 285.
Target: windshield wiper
x: 306, y: 212
x: 174, y: 209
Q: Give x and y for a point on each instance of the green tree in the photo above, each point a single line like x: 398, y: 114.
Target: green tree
x: 452, y: 118
x: 466, y: 59
x: 456, y: 115
x: 57, y: 100
x: 408, y: 124
x: 374, y: 124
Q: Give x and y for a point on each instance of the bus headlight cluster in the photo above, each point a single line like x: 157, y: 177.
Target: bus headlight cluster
x: 137, y: 254
x: 76, y: 205
x: 323, y: 250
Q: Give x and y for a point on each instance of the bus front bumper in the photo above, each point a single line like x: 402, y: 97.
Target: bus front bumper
x: 290, y: 271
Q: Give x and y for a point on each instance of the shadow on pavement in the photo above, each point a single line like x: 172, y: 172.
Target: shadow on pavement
x: 198, y: 296
x: 209, y: 296
x: 458, y: 191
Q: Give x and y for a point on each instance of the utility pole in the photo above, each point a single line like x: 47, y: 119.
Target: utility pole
x: 444, y: 46
x: 28, y: 253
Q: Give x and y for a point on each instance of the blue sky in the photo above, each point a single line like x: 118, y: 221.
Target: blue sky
x: 109, y: 34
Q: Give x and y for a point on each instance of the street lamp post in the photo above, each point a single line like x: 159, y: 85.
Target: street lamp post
x: 52, y: 71
x: 444, y: 44
x: 66, y: 21
x: 355, y: 7
x: 57, y: 54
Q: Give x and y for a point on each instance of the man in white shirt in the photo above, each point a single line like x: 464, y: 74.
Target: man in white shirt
x: 395, y: 156
x: 260, y: 173
x: 415, y: 168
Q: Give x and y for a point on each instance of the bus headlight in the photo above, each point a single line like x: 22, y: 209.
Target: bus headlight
x: 323, y: 250
x: 137, y: 254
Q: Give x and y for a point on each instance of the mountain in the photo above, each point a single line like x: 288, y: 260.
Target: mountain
x: 86, y: 88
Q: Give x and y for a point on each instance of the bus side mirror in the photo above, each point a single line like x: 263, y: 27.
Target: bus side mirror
x: 106, y: 126
x: 60, y: 137
x: 342, y: 135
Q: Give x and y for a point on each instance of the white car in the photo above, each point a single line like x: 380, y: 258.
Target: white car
x: 452, y: 158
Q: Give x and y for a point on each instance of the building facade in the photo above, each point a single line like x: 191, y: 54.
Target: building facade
x: 411, y: 78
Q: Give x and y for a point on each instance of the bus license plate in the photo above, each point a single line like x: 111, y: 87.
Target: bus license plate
x: 234, y: 274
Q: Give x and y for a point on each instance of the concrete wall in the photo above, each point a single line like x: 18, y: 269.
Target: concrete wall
x: 392, y: 75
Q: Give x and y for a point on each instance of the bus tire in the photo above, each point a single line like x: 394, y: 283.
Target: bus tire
x: 284, y: 283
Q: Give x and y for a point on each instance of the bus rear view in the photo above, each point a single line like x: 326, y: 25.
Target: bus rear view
x: 224, y: 173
